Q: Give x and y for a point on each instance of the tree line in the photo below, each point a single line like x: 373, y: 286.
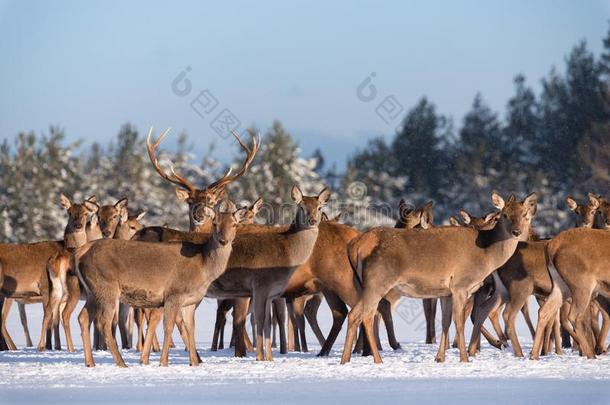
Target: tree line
x: 556, y: 142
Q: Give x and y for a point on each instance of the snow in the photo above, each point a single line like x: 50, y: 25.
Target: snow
x: 27, y: 376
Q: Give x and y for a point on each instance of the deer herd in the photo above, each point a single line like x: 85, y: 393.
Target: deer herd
x: 485, y: 268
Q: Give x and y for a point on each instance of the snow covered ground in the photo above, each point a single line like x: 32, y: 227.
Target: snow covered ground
x: 410, y: 375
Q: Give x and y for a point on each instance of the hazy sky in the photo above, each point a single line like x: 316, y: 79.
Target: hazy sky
x: 92, y: 66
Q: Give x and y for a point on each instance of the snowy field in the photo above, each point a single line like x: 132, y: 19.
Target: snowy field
x: 410, y: 375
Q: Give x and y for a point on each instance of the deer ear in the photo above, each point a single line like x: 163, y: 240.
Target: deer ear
x: 256, y: 207
x: 453, y: 221
x: 296, y: 194
x: 593, y: 201
x: 91, y: 206
x: 140, y: 215
x: 121, y: 204
x: 338, y: 217
x: 92, y: 199
x: 324, y: 217
x: 424, y: 219
x: 571, y: 203
x: 240, y: 215
x: 324, y: 195
x: 497, y: 201
x: 182, y: 195
x: 491, y: 217
x: 65, y: 201
x: 124, y: 214
x: 531, y: 202
x: 466, y: 217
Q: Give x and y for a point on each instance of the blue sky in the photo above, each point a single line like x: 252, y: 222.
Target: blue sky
x: 92, y: 66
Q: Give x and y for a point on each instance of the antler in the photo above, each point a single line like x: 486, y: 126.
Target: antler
x: 174, y: 177
x: 250, y: 154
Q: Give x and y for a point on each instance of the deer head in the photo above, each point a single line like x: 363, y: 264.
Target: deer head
x: 604, y: 213
x: 225, y: 220
x: 75, y: 234
x: 484, y: 223
x: 309, y: 209
x: 200, y: 198
x: 252, y: 211
x: 129, y: 225
x: 409, y: 217
x: 515, y: 217
x: 585, y: 214
x: 109, y: 217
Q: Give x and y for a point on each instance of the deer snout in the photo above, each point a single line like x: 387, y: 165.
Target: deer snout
x: 106, y: 233
x: 516, y: 232
x: 223, y: 241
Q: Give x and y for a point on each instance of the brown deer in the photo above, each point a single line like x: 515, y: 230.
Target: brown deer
x: 327, y: 271
x: 122, y: 226
x: 439, y: 262
x: 25, y: 274
x: 577, y: 262
x: 168, y: 275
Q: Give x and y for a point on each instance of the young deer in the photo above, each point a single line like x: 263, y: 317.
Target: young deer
x: 168, y: 275
x: 440, y: 262
x: 25, y: 274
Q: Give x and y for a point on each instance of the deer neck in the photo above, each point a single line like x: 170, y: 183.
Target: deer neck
x: 498, y: 245
x: 74, y: 239
x: 303, y: 237
x: 216, y: 256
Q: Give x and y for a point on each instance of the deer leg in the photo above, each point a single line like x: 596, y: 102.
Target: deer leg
x: 154, y: 316
x: 71, y: 303
x: 339, y: 312
x: 86, y: 315
x: 260, y: 307
x: 170, y: 312
x: 55, y: 322
x: 24, y: 323
x: 385, y: 309
x: 290, y: 305
x: 155, y: 342
x: 188, y: 336
x: 430, y: 315
x: 364, y: 312
x: 6, y: 307
x: 557, y: 334
x: 480, y: 312
x: 240, y: 313
x: 124, y: 311
x: 219, y: 326
x: 50, y: 302
x: 446, y: 311
x: 604, y: 304
x: 459, y: 319
x: 546, y: 347
x: 546, y: 313
x: 368, y: 321
x: 298, y: 306
x: 279, y: 306
x: 359, y: 347
x: 3, y: 345
x: 580, y: 317
x: 494, y: 318
x: 274, y: 323
x: 525, y: 310
x: 267, y: 330
x: 354, y: 319
x: 467, y: 311
x: 311, y: 314
x: 105, y: 320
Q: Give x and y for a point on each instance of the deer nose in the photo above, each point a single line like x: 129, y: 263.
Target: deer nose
x: 106, y: 234
x: 516, y: 232
x: 223, y: 241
